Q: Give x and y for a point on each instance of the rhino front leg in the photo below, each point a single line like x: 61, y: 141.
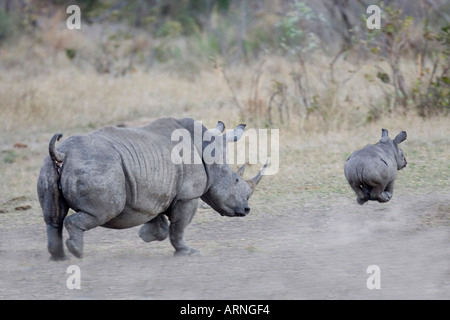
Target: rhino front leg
x: 180, y: 216
x: 156, y: 229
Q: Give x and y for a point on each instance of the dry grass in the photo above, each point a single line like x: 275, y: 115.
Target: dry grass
x: 42, y: 89
x: 311, y: 164
x: 43, y: 92
x: 66, y: 96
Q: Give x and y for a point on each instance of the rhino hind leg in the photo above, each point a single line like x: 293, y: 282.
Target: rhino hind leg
x: 156, y: 229
x: 76, y: 224
x: 54, y: 208
x: 362, y: 194
x: 389, y: 191
x: 379, y: 194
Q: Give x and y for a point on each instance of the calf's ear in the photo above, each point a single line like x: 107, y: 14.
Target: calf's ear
x: 384, y: 133
x: 400, y: 137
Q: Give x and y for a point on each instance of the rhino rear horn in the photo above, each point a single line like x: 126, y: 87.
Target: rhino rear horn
x: 400, y: 137
x: 236, y: 134
x: 255, y: 180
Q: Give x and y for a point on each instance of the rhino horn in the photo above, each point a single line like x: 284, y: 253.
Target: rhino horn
x: 241, y: 170
x: 236, y: 134
x: 255, y: 180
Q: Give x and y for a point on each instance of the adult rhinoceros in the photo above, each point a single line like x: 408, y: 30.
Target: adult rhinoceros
x: 124, y: 177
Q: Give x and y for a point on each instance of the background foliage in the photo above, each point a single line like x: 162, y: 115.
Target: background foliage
x: 301, y: 60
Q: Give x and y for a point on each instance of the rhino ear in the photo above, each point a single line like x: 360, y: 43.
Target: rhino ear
x: 384, y: 133
x: 400, y: 137
x: 218, y: 129
x: 241, y: 170
x: 236, y: 134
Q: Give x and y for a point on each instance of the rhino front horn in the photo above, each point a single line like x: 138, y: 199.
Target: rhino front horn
x: 255, y: 180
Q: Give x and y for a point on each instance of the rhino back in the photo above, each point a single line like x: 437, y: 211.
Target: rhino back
x: 122, y: 171
x: 152, y: 179
x: 370, y: 166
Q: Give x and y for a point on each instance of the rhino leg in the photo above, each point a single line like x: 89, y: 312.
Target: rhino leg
x: 389, y: 191
x: 180, y: 216
x: 156, y: 229
x: 76, y: 225
x: 55, y: 242
x: 362, y: 195
x: 379, y: 194
x: 54, y: 208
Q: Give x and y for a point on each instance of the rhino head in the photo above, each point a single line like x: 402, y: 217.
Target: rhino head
x: 227, y: 192
x: 398, y: 153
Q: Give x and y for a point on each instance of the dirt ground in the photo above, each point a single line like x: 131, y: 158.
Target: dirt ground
x: 319, y: 249
x: 305, y: 238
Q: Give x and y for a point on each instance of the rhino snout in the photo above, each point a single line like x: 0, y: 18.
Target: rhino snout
x: 242, y: 212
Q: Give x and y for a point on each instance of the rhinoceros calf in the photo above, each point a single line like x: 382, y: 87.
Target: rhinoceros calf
x: 371, y: 171
x: 125, y: 177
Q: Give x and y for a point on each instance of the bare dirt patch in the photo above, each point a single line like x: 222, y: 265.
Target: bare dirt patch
x: 308, y: 251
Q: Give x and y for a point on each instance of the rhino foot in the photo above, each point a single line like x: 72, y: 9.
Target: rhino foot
x: 156, y: 229
x: 361, y: 201
x: 75, y: 248
x: 186, y: 252
x: 385, y: 196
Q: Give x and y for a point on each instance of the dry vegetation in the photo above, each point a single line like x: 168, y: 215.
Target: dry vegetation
x: 325, y: 105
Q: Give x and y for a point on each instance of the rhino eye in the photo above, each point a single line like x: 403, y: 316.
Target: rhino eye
x: 237, y: 179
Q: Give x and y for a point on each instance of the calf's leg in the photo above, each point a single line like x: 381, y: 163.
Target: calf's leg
x: 389, y: 190
x: 378, y: 193
x: 361, y: 196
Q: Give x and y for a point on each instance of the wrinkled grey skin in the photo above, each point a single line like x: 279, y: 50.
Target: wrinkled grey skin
x: 371, y: 171
x: 124, y: 177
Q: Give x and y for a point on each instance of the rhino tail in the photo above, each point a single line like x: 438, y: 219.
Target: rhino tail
x: 56, y: 156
